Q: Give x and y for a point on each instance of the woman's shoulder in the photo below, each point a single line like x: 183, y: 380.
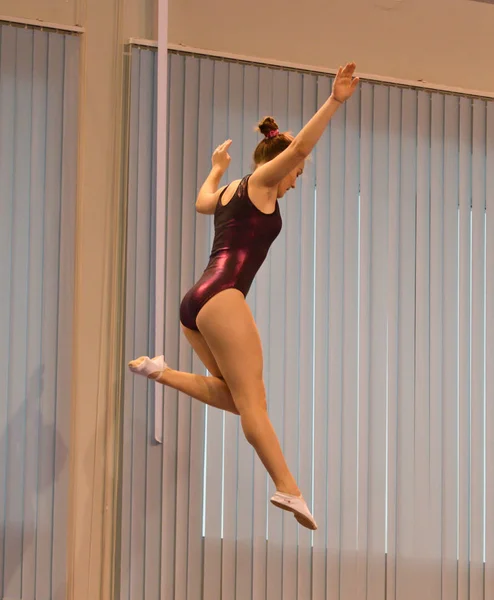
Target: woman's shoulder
x: 232, y: 188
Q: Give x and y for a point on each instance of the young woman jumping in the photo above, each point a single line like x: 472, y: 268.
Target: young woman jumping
x: 214, y: 314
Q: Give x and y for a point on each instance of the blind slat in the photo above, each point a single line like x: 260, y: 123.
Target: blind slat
x: 405, y: 512
x: 489, y: 363
x: 333, y: 323
x: 364, y: 336
x: 436, y: 308
x: 19, y: 281
x: 321, y: 358
x: 306, y: 346
x: 465, y: 182
x: 422, y: 348
x: 477, y: 352
x: 277, y: 519
x: 450, y: 348
x: 394, y: 212
x: 172, y: 274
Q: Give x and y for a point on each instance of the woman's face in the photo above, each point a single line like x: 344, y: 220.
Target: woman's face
x: 289, y: 181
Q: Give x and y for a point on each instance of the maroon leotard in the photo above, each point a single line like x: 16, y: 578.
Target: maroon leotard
x: 243, y: 236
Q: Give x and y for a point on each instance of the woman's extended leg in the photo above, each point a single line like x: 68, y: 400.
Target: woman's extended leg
x: 231, y: 334
x: 212, y: 391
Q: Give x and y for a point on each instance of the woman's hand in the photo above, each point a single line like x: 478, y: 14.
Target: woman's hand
x: 221, y: 159
x: 345, y: 83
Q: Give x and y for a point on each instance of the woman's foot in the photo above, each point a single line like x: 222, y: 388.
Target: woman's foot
x: 148, y: 367
x: 296, y: 505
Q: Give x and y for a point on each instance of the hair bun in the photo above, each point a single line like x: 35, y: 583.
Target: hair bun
x: 267, y: 125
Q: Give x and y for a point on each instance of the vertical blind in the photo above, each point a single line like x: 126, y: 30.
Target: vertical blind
x: 375, y: 309
x: 38, y: 159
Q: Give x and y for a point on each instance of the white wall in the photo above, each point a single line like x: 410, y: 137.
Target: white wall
x: 54, y: 11
x: 138, y: 17
x: 449, y: 42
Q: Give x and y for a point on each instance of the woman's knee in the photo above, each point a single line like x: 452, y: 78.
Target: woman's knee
x: 251, y: 399
x: 221, y: 384
x: 249, y: 395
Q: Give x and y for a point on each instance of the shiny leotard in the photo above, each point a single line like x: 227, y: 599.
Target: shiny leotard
x: 243, y: 236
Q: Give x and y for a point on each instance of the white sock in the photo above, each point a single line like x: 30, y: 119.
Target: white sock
x: 150, y: 366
